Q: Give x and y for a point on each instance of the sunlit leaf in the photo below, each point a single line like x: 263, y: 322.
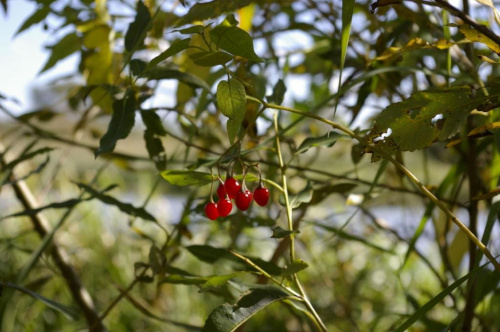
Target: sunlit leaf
x: 182, y: 178
x: 231, y: 99
x: 426, y: 117
x: 210, y: 59
x: 136, y: 31
x: 327, y: 140
x: 121, y: 124
x: 226, y: 317
x: 235, y: 41
x: 206, y: 10
x: 177, y: 46
x: 473, y: 35
x: 163, y: 73
x: 295, y: 267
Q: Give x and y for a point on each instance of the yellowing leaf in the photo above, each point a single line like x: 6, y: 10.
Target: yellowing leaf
x: 476, y: 36
x: 483, y: 129
x: 489, y: 3
x: 246, y: 14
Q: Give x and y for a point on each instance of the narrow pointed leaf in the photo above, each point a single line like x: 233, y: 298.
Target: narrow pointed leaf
x: 68, y: 45
x: 279, y: 232
x: 136, y: 31
x: 206, y: 10
x: 162, y: 73
x: 124, y: 207
x: 210, y: 59
x: 176, y: 47
x: 122, y: 122
x: 39, y: 15
x: 328, y: 140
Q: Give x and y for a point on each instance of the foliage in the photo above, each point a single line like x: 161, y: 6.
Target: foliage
x: 176, y: 97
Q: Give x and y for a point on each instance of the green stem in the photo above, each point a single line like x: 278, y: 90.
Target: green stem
x: 403, y: 169
x: 317, y: 319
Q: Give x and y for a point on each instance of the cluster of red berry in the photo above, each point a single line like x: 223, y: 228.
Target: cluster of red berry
x: 231, y: 189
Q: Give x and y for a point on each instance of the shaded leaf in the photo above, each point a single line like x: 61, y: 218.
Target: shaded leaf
x: 184, y: 280
x: 327, y: 140
x: 210, y: 59
x: 235, y: 41
x: 437, y: 299
x: 137, y: 67
x: 69, y: 312
x: 68, y: 45
x: 279, y: 232
x: 122, y: 122
x: 25, y: 157
x: 58, y: 205
x: 226, y: 317
x: 154, y: 145
x: 492, y: 193
x: 163, y: 73
x: 177, y: 46
x: 191, y: 30
x: 153, y: 123
x: 39, y: 15
x: 136, y: 31
x: 124, y: 207
x: 346, y: 236
x: 304, y: 196
x: 296, y: 266
x: 278, y: 93
x: 231, y: 99
x: 210, y: 255
x: 206, y: 10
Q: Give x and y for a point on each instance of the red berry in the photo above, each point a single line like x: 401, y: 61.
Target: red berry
x: 232, y: 187
x: 243, y: 199
x: 224, y: 206
x: 261, y: 195
x: 211, y: 211
x: 221, y: 191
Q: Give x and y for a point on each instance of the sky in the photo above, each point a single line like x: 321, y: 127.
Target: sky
x: 22, y: 57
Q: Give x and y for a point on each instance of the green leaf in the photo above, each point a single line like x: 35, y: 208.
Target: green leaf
x: 39, y: 15
x: 210, y: 255
x: 206, y: 10
x: 347, y: 12
x: 163, y: 73
x: 279, y: 232
x: 278, y: 93
x: 25, y: 157
x: 346, y: 236
x: 217, y: 282
x: 136, y: 32
x: 231, y: 98
x: 176, y: 47
x: 184, y: 280
x: 297, y: 266
x: 121, y: 124
x: 437, y: 299
x: 154, y: 145
x: 210, y: 59
x: 426, y: 117
x: 235, y: 41
x: 157, y: 259
x: 191, y: 30
x: 304, y: 196
x: 69, y: 312
x: 186, y: 178
x: 68, y: 45
x: 124, y: 207
x: 58, y: 205
x: 137, y: 67
x: 227, y: 318
x: 153, y: 123
x: 328, y: 140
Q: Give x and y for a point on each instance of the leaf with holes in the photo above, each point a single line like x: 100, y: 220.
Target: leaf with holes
x: 426, y: 117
